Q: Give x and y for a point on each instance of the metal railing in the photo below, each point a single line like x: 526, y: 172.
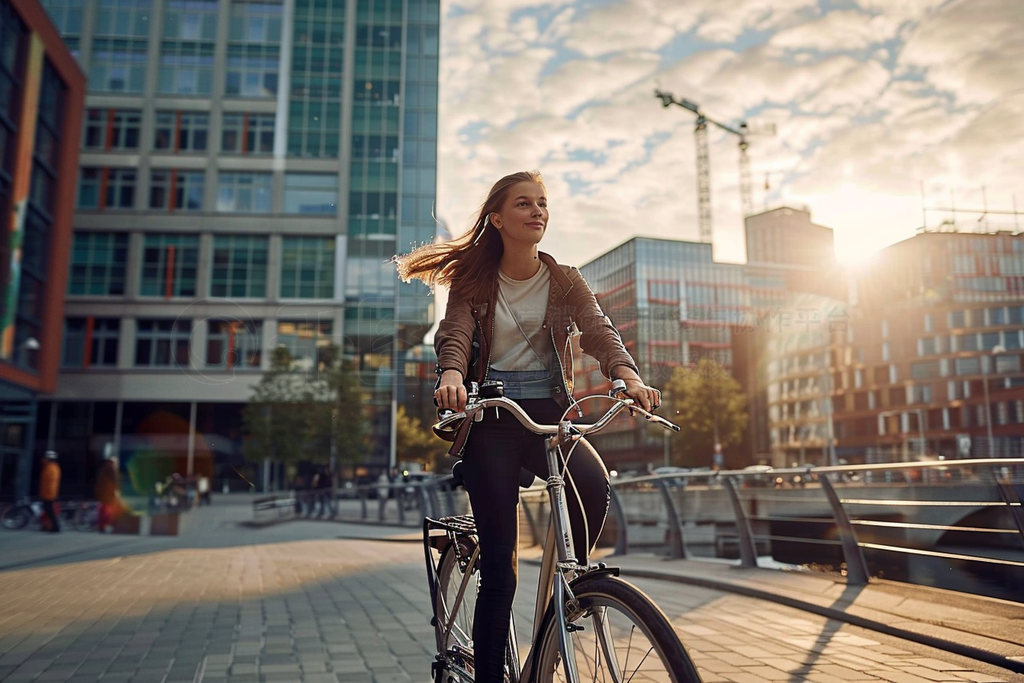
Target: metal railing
x: 909, y: 521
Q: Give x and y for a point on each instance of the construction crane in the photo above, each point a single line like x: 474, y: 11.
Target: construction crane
x: 703, y: 162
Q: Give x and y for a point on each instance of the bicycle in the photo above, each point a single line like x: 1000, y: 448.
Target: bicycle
x: 588, y: 623
x: 28, y: 511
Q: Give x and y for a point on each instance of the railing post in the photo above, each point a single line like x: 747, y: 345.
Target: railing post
x: 425, y: 508
x: 400, y: 499
x: 621, y: 540
x: 363, y: 496
x: 449, y: 497
x: 676, y: 547
x: 748, y: 551
x: 1008, y: 492
x: 856, y: 566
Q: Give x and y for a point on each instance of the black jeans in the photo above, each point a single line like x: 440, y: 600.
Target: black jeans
x: 497, y: 449
x: 50, y: 512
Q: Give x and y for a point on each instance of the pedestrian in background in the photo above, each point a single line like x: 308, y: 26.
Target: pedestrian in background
x: 108, y: 494
x: 49, y: 490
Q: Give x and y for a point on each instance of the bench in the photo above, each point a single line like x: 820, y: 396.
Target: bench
x: 273, y: 506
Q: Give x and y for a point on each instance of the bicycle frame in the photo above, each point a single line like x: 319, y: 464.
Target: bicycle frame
x: 559, y: 564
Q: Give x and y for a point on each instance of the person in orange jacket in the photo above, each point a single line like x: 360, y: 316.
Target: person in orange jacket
x: 49, y: 489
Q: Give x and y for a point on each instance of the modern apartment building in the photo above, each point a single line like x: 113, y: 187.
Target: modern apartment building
x: 673, y: 304
x: 933, y: 362
x: 42, y: 91
x: 247, y: 169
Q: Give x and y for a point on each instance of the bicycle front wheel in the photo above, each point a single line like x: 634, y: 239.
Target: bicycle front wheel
x: 617, y: 635
x: 16, y: 517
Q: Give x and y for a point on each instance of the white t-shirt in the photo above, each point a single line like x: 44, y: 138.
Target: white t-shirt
x: 528, y: 301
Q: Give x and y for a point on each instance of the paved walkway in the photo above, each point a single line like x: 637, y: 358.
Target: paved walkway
x: 319, y: 602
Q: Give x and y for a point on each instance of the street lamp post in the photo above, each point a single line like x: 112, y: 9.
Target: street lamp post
x: 998, y: 348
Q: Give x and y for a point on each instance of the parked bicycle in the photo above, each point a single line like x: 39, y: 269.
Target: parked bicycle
x: 589, y: 625
x: 29, y: 512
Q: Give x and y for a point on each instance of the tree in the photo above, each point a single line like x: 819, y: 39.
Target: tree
x: 296, y: 415
x: 274, y: 413
x: 415, y: 442
x: 711, y: 408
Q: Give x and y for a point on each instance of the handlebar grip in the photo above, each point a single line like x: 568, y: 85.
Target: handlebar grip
x: 618, y: 387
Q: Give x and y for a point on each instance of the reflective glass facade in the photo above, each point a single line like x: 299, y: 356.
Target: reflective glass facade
x: 254, y: 165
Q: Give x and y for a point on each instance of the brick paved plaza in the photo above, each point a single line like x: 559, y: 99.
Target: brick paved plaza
x: 325, y: 602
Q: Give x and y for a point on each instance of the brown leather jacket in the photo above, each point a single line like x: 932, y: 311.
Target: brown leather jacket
x: 463, y: 337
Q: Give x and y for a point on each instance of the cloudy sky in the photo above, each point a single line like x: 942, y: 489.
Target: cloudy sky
x: 872, y: 101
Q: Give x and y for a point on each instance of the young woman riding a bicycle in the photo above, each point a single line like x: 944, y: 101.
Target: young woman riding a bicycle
x: 510, y: 315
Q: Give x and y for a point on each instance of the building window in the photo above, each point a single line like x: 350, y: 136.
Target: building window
x: 305, y: 341
x: 311, y: 193
x: 239, y: 266
x: 957, y: 319
x: 90, y: 342
x: 191, y: 20
x: 886, y: 351
x: 118, y: 65
x: 186, y: 68
x: 162, y: 343
x: 247, y: 133
x: 967, y: 366
x: 990, y: 340
x: 181, y: 131
x: 123, y: 18
x: 244, y: 193
x: 112, y: 129
x: 169, y: 265
x: 928, y: 323
x: 106, y: 188
x: 176, y: 190
x: 252, y: 71
x: 375, y: 148
x: 98, y: 263
x: 233, y: 343
x: 997, y: 316
x: 307, y: 268
x: 66, y: 16
x: 885, y: 329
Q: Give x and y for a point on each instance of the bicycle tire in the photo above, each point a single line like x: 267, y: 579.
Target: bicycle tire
x: 16, y: 517
x: 672, y: 664
x: 87, y: 517
x: 449, y: 579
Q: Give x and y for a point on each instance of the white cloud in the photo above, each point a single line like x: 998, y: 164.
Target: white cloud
x: 855, y: 141
x: 837, y: 31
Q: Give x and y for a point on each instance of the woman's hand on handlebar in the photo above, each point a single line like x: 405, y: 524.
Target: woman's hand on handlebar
x: 646, y: 397
x: 451, y: 393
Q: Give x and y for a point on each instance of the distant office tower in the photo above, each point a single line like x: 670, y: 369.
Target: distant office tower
x: 247, y: 168
x: 42, y: 90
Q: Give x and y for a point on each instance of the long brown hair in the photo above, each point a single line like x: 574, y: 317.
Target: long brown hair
x: 470, y: 257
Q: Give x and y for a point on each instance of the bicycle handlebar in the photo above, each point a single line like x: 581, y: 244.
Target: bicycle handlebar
x: 475, y: 405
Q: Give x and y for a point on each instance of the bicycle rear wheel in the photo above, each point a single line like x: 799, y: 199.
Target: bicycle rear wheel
x: 618, y: 635
x: 87, y: 517
x: 450, y: 575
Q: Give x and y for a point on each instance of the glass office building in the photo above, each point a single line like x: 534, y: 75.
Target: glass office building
x: 247, y: 169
